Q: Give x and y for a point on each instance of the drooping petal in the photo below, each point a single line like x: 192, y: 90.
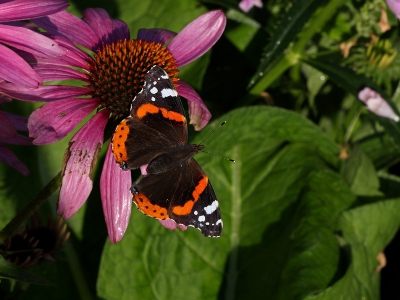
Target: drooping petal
x: 20, y: 123
x: 394, y: 6
x: 14, y: 69
x: 116, y: 197
x: 53, y: 121
x: 17, y: 139
x: 29, y: 9
x: 157, y: 35
x: 73, y: 28
x: 79, y: 161
x: 197, y: 37
x: 198, y: 112
x: 172, y: 225
x: 45, y: 93
x: 7, y: 128
x: 376, y: 104
x: 246, y: 5
x: 29, y: 41
x: 8, y: 157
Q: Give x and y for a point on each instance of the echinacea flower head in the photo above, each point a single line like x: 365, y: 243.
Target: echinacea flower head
x: 394, y: 6
x: 113, y: 74
x: 246, y: 5
x: 19, y: 35
x: 376, y: 104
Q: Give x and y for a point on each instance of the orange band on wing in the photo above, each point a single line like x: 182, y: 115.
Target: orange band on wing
x: 187, y: 208
x: 145, y: 206
x: 118, y: 142
x: 148, y: 108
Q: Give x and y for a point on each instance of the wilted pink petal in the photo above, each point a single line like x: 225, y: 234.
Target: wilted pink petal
x: 197, y: 37
x: 80, y: 160
x: 157, y: 35
x: 16, y: 70
x: 55, y: 120
x: 198, y: 112
x: 394, y: 6
x: 172, y: 225
x: 116, y: 197
x: 20, y: 123
x: 9, y: 158
x: 376, y: 104
x: 246, y: 5
x: 29, y: 9
x: 17, y: 139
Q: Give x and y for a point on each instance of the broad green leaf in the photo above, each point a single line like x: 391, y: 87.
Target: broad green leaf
x: 279, y: 201
x: 359, y: 172
x: 366, y: 231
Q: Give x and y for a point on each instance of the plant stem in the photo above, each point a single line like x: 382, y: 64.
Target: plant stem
x: 30, y: 208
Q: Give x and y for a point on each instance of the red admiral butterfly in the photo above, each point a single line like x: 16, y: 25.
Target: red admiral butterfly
x: 155, y: 134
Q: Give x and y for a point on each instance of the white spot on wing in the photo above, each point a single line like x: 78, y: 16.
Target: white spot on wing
x: 153, y: 99
x: 212, y: 207
x: 168, y: 93
x: 165, y: 76
x: 195, y: 212
x: 202, y: 218
x: 219, y: 222
x: 154, y: 90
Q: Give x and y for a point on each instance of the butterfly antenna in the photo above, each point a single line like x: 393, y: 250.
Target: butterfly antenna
x: 223, y: 157
x: 223, y: 123
x: 231, y: 160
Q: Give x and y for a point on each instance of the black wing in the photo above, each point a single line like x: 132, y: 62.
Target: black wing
x: 157, y: 123
x: 183, y: 194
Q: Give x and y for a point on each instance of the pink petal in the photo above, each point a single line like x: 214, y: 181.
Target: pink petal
x: 79, y: 162
x: 14, y: 69
x: 246, y: 5
x: 53, y: 121
x: 51, y: 73
x: 198, y: 112
x: 157, y: 35
x: 121, y: 30
x: 7, y: 128
x: 9, y: 158
x: 29, y: 9
x: 143, y: 170
x: 17, y: 139
x: 45, y: 93
x: 394, y: 6
x: 116, y: 197
x: 101, y: 23
x: 376, y: 104
x: 172, y: 225
x: 20, y: 123
x: 29, y: 41
x: 197, y: 37
x: 71, y: 27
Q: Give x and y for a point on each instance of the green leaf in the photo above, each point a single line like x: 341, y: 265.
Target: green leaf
x: 11, y: 271
x: 280, y: 202
x: 366, y: 231
x: 289, y: 26
x: 359, y: 172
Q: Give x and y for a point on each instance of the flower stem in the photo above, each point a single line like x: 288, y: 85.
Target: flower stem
x: 30, y: 207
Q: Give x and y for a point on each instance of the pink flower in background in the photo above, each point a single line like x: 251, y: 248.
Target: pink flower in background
x: 394, y: 6
x: 246, y: 5
x: 19, y: 36
x: 376, y: 104
x: 112, y: 77
x: 13, y: 68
